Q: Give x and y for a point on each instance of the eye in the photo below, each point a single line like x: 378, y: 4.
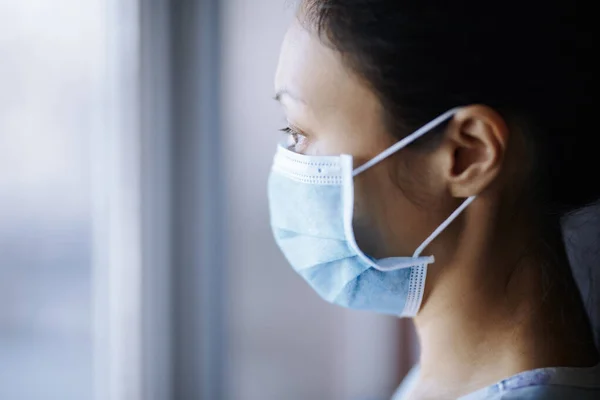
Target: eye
x: 296, y: 139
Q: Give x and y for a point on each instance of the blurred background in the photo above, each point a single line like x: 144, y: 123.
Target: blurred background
x: 136, y: 258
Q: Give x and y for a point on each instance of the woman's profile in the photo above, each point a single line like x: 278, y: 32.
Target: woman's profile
x: 433, y: 148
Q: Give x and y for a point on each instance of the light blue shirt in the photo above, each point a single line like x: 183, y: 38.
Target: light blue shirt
x: 543, y: 383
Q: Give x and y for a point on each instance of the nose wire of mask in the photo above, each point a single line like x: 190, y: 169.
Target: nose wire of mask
x: 311, y: 202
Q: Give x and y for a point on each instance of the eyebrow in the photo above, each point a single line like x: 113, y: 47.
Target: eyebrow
x: 290, y: 94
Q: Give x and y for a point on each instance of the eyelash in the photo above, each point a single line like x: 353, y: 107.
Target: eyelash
x: 288, y: 130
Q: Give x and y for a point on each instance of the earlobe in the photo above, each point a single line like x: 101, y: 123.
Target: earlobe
x: 479, y: 137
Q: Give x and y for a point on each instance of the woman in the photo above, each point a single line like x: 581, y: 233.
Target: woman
x: 453, y: 130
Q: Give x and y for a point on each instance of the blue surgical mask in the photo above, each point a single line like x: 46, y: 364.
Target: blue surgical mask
x: 311, y: 204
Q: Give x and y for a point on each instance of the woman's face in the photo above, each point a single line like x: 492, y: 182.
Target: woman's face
x: 331, y: 111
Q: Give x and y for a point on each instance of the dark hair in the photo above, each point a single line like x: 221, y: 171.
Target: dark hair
x: 523, y: 58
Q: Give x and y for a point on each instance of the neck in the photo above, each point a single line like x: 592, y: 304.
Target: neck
x: 508, y: 304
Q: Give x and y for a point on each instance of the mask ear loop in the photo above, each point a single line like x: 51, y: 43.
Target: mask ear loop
x: 443, y: 226
x: 405, y: 142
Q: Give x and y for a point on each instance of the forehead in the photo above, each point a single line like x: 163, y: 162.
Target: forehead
x: 307, y: 66
x: 316, y: 74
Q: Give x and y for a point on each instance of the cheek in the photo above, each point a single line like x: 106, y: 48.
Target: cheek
x: 423, y: 188
x: 366, y: 230
x: 374, y: 192
x: 388, y: 222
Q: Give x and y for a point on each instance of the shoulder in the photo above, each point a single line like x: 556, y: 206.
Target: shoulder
x: 407, y: 384
x: 549, y: 392
x: 545, y: 383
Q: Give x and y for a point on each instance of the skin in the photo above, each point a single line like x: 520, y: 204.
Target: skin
x: 499, y: 299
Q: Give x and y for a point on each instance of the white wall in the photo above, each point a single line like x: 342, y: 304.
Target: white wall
x: 285, y: 342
